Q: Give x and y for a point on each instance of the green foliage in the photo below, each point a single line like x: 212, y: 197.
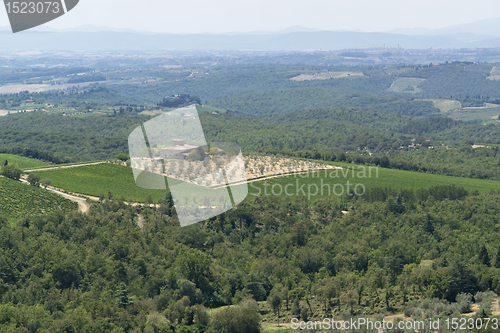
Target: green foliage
x: 94, y: 263
x: 122, y: 157
x: 11, y: 171
x: 197, y: 154
x: 61, y: 139
x: 414, y: 240
x: 34, y: 179
x: 461, y: 162
x: 274, y: 301
x: 484, y: 257
x: 194, y: 265
x: 397, y: 205
x: 86, y: 78
x: 122, y: 298
x: 46, y: 182
x: 235, y: 319
x: 179, y: 101
x: 454, y: 80
x: 288, y: 100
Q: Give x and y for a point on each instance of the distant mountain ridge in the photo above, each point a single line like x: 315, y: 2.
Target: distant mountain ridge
x: 487, y: 27
x: 296, y: 38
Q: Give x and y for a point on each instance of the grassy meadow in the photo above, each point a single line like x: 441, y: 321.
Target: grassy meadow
x: 23, y: 162
x: 445, y: 105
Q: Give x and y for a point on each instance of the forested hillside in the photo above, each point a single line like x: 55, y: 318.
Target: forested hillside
x: 100, y: 272
x: 57, y: 138
x: 286, y: 100
x: 61, y: 139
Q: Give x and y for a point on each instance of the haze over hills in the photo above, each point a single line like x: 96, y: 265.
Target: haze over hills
x: 487, y: 27
x: 481, y: 34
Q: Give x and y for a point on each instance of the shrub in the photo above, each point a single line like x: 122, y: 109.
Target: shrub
x: 34, y: 179
x: 11, y: 171
x: 45, y: 182
x: 465, y: 307
x: 235, y: 319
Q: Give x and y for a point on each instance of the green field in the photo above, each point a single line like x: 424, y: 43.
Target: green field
x: 445, y: 105
x: 406, y: 85
x: 20, y: 200
x: 480, y: 114
x: 98, y: 179
x: 23, y: 162
x: 28, y: 107
x: 335, y: 182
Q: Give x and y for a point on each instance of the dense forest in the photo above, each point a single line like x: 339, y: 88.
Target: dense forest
x: 60, y: 139
x: 101, y: 272
x: 456, y: 79
x: 286, y: 100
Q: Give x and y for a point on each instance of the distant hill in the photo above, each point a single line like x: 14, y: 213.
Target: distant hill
x: 293, y: 41
x: 482, y: 28
x: 480, y: 34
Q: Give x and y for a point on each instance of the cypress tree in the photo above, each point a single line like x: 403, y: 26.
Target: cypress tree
x: 484, y: 257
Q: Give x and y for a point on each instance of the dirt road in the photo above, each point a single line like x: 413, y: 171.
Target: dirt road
x: 83, y: 205
x: 65, y: 166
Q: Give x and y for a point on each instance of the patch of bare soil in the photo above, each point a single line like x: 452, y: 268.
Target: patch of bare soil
x: 17, y: 88
x: 495, y: 308
x: 324, y: 76
x: 140, y: 222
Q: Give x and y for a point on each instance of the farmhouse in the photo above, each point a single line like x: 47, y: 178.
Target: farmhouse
x: 178, y: 150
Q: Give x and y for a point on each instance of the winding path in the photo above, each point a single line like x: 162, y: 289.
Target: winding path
x: 66, y: 166
x: 83, y: 205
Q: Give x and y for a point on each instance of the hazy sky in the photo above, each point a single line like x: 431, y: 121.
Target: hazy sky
x: 191, y: 16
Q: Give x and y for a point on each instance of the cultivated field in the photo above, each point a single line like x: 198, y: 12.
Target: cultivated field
x: 19, y: 200
x: 495, y: 73
x: 23, y: 162
x: 325, y: 76
x: 95, y: 180
x: 6, y: 112
x: 445, y: 105
x: 204, y: 173
x: 481, y: 114
x: 35, y: 88
x: 406, y: 85
x: 334, y: 182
